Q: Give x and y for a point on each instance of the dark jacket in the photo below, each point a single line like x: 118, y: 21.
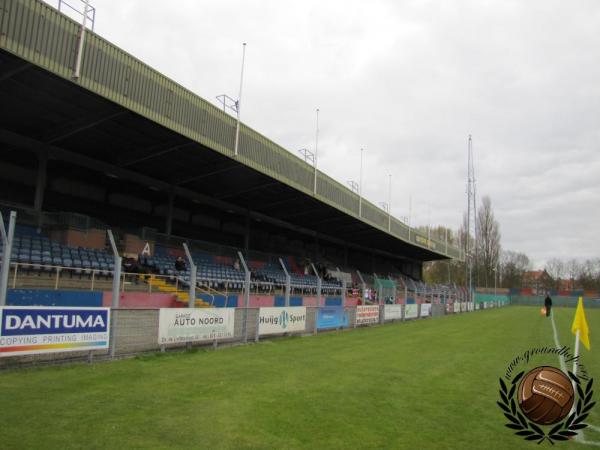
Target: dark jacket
x: 547, y: 301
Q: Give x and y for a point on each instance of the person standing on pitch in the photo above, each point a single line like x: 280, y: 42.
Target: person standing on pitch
x: 548, y: 304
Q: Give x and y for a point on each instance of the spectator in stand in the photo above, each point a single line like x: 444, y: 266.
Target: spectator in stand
x: 179, y: 264
x: 236, y: 264
x: 130, y: 265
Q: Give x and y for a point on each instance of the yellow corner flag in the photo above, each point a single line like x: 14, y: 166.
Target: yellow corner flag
x: 580, y: 324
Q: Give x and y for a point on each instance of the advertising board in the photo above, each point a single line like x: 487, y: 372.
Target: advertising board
x: 195, y: 324
x: 281, y: 320
x: 26, y: 330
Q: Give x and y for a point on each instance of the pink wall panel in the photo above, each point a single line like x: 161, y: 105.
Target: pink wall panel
x: 256, y: 301
x: 142, y: 300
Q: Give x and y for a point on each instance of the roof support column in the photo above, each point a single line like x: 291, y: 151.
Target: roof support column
x: 40, y: 186
x: 363, y: 286
x: 7, y: 239
x: 193, y: 273
x: 288, y: 283
x: 318, y: 284
x: 169, y: 219
x: 247, y: 274
x: 247, y: 234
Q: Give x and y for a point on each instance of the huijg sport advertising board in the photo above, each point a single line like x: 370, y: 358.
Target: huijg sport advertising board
x: 411, y: 311
x: 26, y: 330
x: 425, y: 309
x: 367, y: 314
x: 392, y: 312
x: 190, y: 324
x: 281, y: 320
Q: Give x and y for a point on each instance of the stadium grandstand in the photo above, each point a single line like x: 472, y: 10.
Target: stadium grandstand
x: 93, y: 139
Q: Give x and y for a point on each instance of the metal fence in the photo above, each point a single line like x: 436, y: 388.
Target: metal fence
x: 45, y: 276
x: 136, y: 331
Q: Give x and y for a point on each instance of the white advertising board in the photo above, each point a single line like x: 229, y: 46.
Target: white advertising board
x: 281, y: 320
x: 194, y: 324
x: 392, y: 312
x: 425, y: 309
x: 367, y: 314
x: 411, y: 311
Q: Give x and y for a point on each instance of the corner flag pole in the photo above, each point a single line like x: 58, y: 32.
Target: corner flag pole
x: 581, y: 331
x: 576, y: 352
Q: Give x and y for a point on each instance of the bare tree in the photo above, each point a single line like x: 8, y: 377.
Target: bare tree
x: 572, y: 267
x: 587, y: 274
x: 488, y: 242
x: 512, y: 266
x: 556, y: 269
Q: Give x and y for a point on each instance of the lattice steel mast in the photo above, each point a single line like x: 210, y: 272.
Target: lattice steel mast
x: 470, y: 244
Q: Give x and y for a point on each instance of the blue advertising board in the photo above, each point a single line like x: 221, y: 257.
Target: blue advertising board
x: 332, y: 317
x: 29, y: 330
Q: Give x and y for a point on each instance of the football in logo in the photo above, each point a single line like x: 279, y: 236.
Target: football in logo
x: 545, y: 395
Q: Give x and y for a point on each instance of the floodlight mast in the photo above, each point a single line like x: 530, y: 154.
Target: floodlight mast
x: 389, y: 204
x: 87, y: 9
x: 360, y: 185
x: 227, y: 102
x: 471, y: 214
x: 238, y: 103
x: 353, y: 185
x: 308, y: 155
x: 316, y: 153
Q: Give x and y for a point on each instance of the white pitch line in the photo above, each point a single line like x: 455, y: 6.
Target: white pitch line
x: 594, y: 427
x: 580, y: 437
x: 561, y: 358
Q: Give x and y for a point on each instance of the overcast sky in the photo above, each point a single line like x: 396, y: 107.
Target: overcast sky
x: 408, y: 81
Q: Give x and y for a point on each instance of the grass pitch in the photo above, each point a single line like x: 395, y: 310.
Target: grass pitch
x: 426, y: 384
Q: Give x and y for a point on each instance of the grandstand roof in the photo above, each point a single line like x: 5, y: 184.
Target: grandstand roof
x: 124, y: 120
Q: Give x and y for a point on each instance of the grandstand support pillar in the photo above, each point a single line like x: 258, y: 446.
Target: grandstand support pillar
x: 288, y: 283
x: 40, y: 187
x: 319, y: 284
x: 363, y: 286
x: 193, y: 272
x: 344, y: 291
x: 169, y: 219
x: 115, y: 292
x: 247, y: 234
x: 7, y: 239
x: 246, y: 296
x: 116, y: 286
